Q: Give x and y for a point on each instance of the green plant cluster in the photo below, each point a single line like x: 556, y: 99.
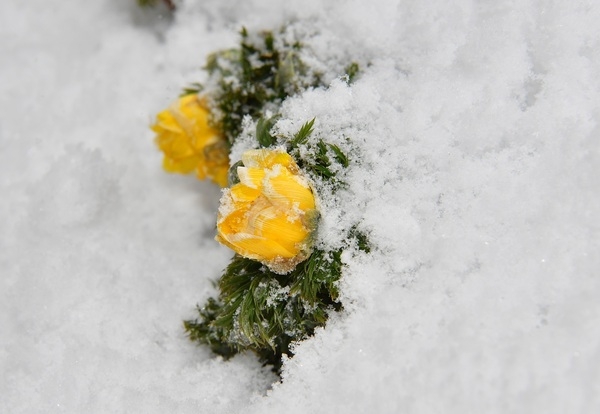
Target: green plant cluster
x: 256, y: 77
x: 262, y: 311
x: 258, y: 310
x: 317, y: 159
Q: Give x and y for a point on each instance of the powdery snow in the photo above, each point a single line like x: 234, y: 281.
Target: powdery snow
x: 474, y: 168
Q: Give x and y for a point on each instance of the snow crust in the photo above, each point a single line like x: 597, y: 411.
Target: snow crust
x: 474, y: 169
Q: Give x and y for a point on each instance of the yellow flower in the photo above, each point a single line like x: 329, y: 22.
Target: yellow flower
x: 189, y: 143
x: 270, y: 215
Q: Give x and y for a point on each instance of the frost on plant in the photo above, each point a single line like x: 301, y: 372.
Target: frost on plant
x: 268, y: 301
x: 283, y: 281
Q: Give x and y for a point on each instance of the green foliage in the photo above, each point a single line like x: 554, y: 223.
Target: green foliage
x: 194, y: 88
x: 255, y: 78
x: 206, y: 333
x: 258, y: 310
x: 339, y: 155
x: 260, y: 74
x: 148, y: 3
x: 361, y: 239
x: 264, y: 312
x: 351, y: 71
x: 232, y: 176
x: 316, y: 159
x: 263, y: 131
x: 302, y: 135
x: 321, y: 163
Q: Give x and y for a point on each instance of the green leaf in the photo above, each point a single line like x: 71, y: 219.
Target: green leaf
x: 286, y: 71
x: 351, y: 71
x: 302, y: 135
x: 232, y: 175
x: 203, y: 330
x: 194, y: 88
x: 316, y: 277
x: 269, y: 41
x: 263, y: 128
x: 339, y: 155
x: 323, y: 171
x: 361, y: 238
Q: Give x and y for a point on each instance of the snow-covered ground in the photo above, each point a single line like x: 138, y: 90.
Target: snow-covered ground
x: 477, y: 127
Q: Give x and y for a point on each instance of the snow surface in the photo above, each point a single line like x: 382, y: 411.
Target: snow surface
x: 476, y: 126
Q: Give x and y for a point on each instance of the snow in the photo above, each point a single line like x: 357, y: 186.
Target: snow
x: 474, y: 170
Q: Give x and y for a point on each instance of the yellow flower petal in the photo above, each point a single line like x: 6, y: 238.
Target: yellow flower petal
x: 242, y: 193
x: 251, y: 177
x: 260, y: 248
x: 288, y: 188
x: 287, y: 233
x: 268, y: 215
x: 264, y: 158
x: 189, y: 143
x: 183, y: 166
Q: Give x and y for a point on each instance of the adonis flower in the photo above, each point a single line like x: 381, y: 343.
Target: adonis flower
x: 188, y: 141
x: 270, y: 215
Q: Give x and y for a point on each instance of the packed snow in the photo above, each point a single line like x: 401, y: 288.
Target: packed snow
x: 475, y: 171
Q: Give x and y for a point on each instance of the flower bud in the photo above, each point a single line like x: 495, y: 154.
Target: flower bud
x: 270, y: 215
x: 189, y: 143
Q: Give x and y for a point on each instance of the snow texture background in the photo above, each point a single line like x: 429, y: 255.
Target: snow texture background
x: 477, y: 128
